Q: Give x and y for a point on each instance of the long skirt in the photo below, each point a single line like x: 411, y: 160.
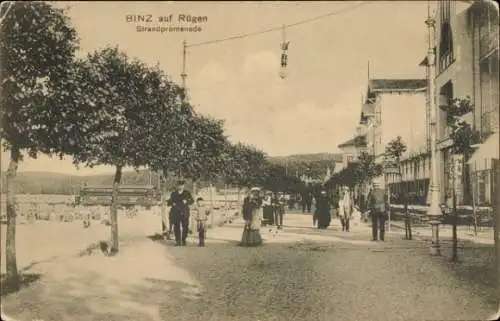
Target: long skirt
x: 268, y: 215
x: 251, y: 233
x: 251, y: 238
x: 324, y: 219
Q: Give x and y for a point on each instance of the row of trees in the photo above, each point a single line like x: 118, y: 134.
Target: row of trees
x: 105, y: 109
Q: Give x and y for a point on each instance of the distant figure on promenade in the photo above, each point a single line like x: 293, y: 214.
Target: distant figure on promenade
x: 323, y: 210
x: 378, y: 206
x: 180, y: 200
x: 201, y: 214
x: 361, y: 202
x: 278, y: 203
x: 307, y: 198
x: 252, y: 214
x: 346, y: 208
x: 335, y: 204
x: 267, y: 208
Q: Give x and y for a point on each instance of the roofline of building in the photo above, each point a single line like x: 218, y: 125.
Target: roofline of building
x: 398, y: 90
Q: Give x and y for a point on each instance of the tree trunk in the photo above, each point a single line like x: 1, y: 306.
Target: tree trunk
x: 163, y: 207
x: 388, y: 189
x: 474, y: 210
x: 211, y: 195
x: 114, y: 211
x: 454, y: 219
x: 10, y: 240
x: 225, y: 196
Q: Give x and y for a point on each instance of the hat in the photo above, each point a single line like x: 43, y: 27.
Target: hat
x: 255, y: 189
x: 199, y: 199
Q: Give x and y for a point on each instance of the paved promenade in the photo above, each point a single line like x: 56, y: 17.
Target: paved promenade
x: 300, y: 273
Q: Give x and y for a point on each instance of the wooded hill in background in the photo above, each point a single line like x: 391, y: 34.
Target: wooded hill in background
x: 56, y: 183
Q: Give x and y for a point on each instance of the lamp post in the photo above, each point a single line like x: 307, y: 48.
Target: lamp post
x: 434, y: 210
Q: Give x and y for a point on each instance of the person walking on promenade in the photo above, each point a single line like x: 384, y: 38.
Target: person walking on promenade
x: 309, y: 198
x: 180, y: 200
x: 303, y: 199
x: 280, y: 210
x: 378, y: 206
x: 323, y: 210
x: 267, y: 208
x: 201, y: 217
x: 346, y: 208
x: 252, y: 214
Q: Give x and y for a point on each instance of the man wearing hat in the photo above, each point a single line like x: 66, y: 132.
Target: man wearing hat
x: 180, y: 200
x: 378, y: 206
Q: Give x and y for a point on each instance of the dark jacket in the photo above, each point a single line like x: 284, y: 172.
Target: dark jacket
x: 377, y: 201
x: 249, y: 206
x: 323, y: 204
x: 180, y: 202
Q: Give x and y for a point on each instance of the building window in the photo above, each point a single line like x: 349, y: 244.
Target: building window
x: 488, y: 77
x: 447, y: 98
x: 446, y: 56
x: 350, y: 158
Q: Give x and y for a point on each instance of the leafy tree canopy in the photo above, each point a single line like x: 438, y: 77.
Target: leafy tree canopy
x: 38, y: 45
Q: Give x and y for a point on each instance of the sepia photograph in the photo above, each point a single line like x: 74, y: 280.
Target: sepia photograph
x: 249, y: 160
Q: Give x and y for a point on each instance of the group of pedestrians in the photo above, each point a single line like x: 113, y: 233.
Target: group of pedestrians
x: 180, y: 203
x: 342, y: 206
x: 375, y: 204
x: 273, y: 208
x: 269, y: 209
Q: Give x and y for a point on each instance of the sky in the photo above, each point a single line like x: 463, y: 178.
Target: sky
x: 315, y: 108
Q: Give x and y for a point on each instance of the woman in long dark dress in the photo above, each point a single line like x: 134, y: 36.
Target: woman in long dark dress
x: 323, y: 208
x: 252, y: 214
x: 268, y: 209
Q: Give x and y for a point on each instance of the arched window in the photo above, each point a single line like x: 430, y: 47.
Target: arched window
x: 446, y: 38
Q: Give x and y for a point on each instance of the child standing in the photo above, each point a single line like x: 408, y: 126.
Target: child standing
x: 200, y: 216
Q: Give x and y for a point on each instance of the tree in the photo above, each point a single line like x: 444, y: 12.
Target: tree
x: 463, y: 136
x: 202, y: 158
x: 360, y: 172
x: 274, y: 178
x: 366, y: 169
x: 37, y: 48
x: 393, y: 153
x: 126, y: 104
x: 243, y: 165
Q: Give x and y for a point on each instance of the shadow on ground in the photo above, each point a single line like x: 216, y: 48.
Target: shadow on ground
x: 8, y: 287
x: 88, y: 295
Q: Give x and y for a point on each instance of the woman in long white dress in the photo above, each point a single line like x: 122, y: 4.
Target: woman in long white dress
x: 345, y: 209
x: 252, y: 214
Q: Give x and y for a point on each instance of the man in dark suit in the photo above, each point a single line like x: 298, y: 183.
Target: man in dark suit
x: 378, y: 206
x: 180, y: 200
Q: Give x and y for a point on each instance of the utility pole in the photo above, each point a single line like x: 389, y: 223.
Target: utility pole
x: 184, y: 74
x: 284, y: 54
x: 434, y: 210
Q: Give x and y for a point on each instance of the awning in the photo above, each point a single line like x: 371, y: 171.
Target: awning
x: 486, y: 151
